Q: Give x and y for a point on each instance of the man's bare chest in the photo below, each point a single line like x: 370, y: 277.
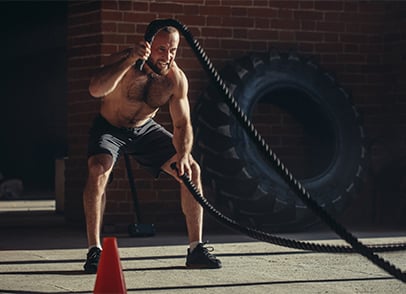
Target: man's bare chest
x: 153, y: 89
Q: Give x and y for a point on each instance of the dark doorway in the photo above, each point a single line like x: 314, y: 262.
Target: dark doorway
x: 33, y: 93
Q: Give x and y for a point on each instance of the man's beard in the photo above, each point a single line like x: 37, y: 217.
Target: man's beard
x: 158, y: 70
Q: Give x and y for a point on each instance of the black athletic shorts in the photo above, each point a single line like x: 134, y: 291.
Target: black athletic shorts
x: 150, y: 144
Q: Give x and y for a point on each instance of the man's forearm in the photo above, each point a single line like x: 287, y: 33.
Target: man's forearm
x: 183, y: 139
x: 107, y: 77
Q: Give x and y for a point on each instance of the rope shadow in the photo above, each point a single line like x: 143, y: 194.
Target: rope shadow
x: 48, y: 272
x: 39, y: 292
x: 234, y: 285
x: 213, y: 286
x: 160, y: 268
x: 52, y: 261
x: 162, y: 257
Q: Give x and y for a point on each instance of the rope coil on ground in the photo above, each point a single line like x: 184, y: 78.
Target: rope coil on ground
x: 295, y: 185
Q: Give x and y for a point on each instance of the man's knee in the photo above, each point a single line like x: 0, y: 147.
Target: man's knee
x: 195, y: 170
x: 100, y: 166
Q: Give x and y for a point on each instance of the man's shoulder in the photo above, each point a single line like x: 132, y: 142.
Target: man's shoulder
x: 180, y: 82
x: 178, y: 75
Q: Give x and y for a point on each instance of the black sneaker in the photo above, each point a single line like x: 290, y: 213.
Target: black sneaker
x: 200, y: 257
x: 92, y: 261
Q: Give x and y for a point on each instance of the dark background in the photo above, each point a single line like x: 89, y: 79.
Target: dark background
x: 33, y: 92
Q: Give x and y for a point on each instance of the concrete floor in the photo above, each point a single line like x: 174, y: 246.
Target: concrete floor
x: 41, y: 254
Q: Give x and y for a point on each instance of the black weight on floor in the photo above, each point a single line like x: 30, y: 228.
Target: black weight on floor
x: 138, y: 229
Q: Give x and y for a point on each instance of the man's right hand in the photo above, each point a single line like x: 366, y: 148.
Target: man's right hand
x: 141, y: 51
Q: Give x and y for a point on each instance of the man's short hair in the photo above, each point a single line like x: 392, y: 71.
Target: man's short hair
x: 169, y: 30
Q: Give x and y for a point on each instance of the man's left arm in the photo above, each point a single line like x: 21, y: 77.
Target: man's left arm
x: 182, y: 127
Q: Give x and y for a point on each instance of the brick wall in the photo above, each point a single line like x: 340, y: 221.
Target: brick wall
x: 363, y: 43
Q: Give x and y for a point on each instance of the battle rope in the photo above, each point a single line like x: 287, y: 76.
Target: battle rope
x: 271, y: 157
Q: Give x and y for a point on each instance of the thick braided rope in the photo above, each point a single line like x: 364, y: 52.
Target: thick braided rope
x: 271, y: 157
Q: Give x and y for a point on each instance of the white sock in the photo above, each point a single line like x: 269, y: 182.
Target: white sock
x: 193, y: 245
x: 92, y: 246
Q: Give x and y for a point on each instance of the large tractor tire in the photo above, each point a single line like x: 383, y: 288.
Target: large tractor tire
x: 329, y: 141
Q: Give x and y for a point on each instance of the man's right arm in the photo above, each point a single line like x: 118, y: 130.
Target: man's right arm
x: 107, y: 77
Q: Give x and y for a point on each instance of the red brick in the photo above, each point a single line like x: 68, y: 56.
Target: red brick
x: 330, y: 26
x: 285, y: 24
x: 309, y: 36
x: 90, y: 17
x: 218, y: 11
x: 268, y: 13
x: 308, y: 15
x: 285, y: 4
x: 308, y: 25
x: 287, y: 36
x: 191, y: 20
x: 189, y: 10
x: 213, y: 21
x: 262, y: 23
x: 238, y: 11
x: 286, y: 14
x: 113, y: 5
x: 213, y: 3
x: 124, y: 5
x: 329, y: 5
x: 139, y: 6
x: 166, y: 8
x: 222, y: 33
x: 113, y: 38
x: 306, y: 4
x: 107, y: 15
x: 126, y: 28
x: 329, y: 47
x: 109, y: 27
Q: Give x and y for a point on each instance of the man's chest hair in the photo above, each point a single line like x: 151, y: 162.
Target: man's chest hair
x: 153, y: 89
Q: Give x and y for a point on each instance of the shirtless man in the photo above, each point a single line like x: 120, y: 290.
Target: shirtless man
x: 130, y: 100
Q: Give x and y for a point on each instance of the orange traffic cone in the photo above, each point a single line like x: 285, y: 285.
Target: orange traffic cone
x: 110, y: 278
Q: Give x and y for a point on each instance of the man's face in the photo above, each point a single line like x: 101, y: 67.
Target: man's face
x: 163, y: 51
